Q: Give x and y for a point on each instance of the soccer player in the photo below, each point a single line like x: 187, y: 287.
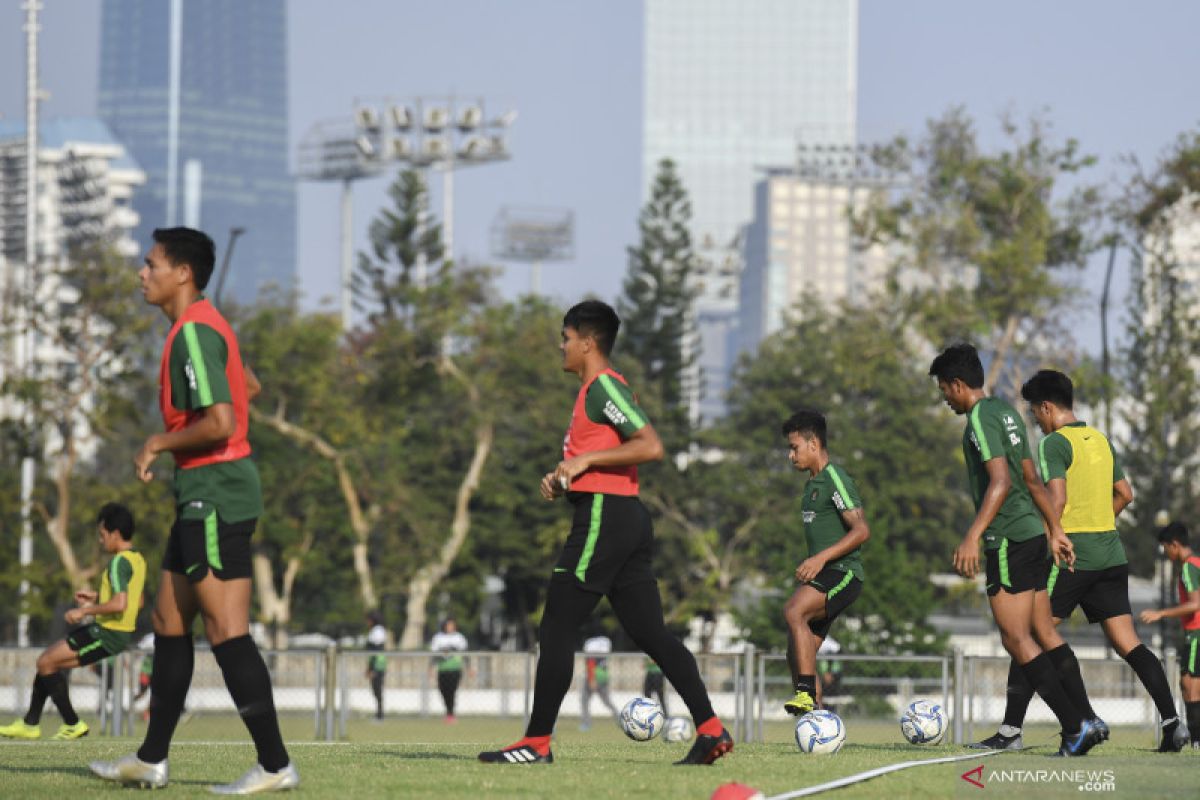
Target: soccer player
x: 1174, y: 542
x: 1088, y: 490
x: 654, y: 685
x: 204, y: 397
x: 596, y: 678
x: 831, y: 578
x: 114, y: 609
x: 449, y: 644
x: 608, y: 551
x: 1006, y: 489
x: 377, y: 661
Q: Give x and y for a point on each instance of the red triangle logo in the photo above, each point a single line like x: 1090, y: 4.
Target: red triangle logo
x: 978, y: 779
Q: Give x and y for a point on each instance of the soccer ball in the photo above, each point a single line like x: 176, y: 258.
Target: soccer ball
x: 678, y: 729
x: 923, y: 722
x: 641, y: 719
x: 820, y: 732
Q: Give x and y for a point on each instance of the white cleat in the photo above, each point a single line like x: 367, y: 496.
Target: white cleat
x: 258, y: 780
x: 132, y: 770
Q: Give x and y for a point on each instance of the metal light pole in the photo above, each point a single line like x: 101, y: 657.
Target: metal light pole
x: 25, y: 355
x: 1112, y: 256
x: 534, y: 236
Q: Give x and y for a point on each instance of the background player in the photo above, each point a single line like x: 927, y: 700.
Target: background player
x: 449, y: 644
x: 608, y: 550
x: 204, y: 397
x: 596, y: 650
x: 831, y: 578
x: 1006, y: 488
x: 377, y: 661
x: 1174, y: 542
x: 1088, y: 490
x: 115, y: 609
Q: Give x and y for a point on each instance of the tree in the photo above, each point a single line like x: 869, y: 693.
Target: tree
x: 986, y: 244
x: 1161, y: 215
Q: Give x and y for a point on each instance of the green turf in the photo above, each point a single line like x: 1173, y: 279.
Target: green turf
x: 428, y: 758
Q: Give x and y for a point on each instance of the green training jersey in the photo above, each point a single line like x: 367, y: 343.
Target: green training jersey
x: 231, y: 487
x: 826, y: 495
x: 995, y: 430
x: 1094, y: 549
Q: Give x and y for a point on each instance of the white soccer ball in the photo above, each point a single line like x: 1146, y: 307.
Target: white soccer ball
x: 641, y: 719
x: 678, y: 729
x: 924, y: 722
x: 820, y: 732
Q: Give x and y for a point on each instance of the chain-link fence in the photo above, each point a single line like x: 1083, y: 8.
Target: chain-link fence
x: 333, y: 687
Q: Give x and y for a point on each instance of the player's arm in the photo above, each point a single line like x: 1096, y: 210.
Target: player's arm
x: 1122, y: 496
x: 253, y: 386
x: 610, y: 402
x: 966, y: 555
x: 1189, y: 606
x: 857, y: 533
x: 1061, y: 549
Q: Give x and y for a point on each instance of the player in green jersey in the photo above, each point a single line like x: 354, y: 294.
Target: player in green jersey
x: 1008, y: 498
x: 831, y: 578
x: 114, y: 609
x: 1088, y: 490
x: 1173, y: 539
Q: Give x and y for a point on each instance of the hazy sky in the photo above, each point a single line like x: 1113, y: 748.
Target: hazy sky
x: 1118, y: 76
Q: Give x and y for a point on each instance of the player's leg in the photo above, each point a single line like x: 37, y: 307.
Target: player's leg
x: 638, y: 607
x: 807, y: 604
x: 606, y: 698
x: 1189, y: 682
x: 1045, y: 631
x: 377, y: 690
x: 82, y: 646
x: 1123, y: 638
x: 585, y: 705
x: 46, y: 682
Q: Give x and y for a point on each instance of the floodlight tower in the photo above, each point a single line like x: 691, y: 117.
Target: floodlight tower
x: 425, y: 132
x: 534, y: 236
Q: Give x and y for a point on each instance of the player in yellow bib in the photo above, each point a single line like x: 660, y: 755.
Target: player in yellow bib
x: 114, y: 609
x: 1088, y: 490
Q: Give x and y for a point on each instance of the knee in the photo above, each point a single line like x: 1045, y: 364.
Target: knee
x: 45, y: 664
x: 794, y: 613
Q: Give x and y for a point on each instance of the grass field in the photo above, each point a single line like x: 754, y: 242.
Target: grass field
x: 429, y: 759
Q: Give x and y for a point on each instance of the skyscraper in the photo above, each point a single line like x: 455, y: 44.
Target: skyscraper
x: 728, y: 90
x: 197, y: 90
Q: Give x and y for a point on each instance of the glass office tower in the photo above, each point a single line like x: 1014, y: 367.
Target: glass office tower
x: 197, y: 90
x: 729, y: 90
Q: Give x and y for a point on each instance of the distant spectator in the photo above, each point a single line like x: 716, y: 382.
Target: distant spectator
x: 377, y: 662
x: 449, y: 644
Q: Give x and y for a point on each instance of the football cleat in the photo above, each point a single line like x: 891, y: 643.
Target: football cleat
x: 517, y: 754
x: 998, y: 741
x: 1078, y: 744
x: 1175, y: 736
x: 1102, y: 727
x: 707, y: 749
x: 68, y: 732
x: 257, y: 779
x: 132, y: 770
x: 800, y: 705
x: 19, y: 730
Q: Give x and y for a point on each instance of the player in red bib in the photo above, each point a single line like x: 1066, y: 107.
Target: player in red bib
x: 204, y: 397
x: 607, y: 553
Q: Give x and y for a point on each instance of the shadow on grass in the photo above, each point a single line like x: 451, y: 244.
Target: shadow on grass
x: 82, y: 772
x: 421, y: 756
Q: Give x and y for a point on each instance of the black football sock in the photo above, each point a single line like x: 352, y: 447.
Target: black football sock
x: 567, y: 608
x: 1067, y: 666
x: 37, y: 701
x: 1150, y: 672
x: 56, y: 687
x: 1045, y: 681
x: 1017, y: 696
x: 1192, y: 710
x: 174, y: 659
x: 806, y: 683
x: 249, y: 685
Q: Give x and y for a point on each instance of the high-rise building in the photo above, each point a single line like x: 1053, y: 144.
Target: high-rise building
x: 197, y: 90
x: 799, y: 251
x: 729, y: 87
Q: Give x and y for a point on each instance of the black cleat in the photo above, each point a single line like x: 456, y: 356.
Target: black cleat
x: 1078, y: 744
x: 998, y: 741
x: 1102, y: 727
x: 708, y: 749
x: 1174, y: 736
x: 517, y: 754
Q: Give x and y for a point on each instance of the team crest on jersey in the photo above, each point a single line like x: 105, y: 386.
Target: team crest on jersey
x: 814, y: 494
x: 809, y: 517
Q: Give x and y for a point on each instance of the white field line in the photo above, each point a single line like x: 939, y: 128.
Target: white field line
x: 875, y: 773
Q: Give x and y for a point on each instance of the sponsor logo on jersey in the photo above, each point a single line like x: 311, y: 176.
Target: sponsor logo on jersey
x: 190, y: 371
x: 614, y: 414
x: 839, y: 502
x: 809, y: 517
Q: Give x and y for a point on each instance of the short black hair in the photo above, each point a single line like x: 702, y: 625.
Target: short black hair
x: 596, y: 319
x: 116, y: 517
x: 959, y: 361
x: 808, y: 422
x: 191, y: 247
x: 1049, y: 386
x: 1174, y: 532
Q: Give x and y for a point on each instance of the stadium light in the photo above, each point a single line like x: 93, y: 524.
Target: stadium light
x: 424, y: 133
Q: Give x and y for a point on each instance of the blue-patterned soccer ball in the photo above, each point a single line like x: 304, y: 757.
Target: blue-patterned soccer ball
x: 924, y: 722
x: 820, y: 732
x: 641, y: 719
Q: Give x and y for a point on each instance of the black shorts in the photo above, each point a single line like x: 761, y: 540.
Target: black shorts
x: 840, y: 589
x: 1101, y: 593
x: 201, y: 542
x: 610, y: 544
x: 1017, y: 567
x: 93, y: 642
